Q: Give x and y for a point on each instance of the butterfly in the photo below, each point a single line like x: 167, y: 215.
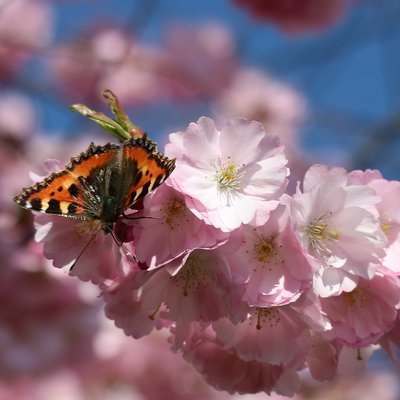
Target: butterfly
x: 100, y: 183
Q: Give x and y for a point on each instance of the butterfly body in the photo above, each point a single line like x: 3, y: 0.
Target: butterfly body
x: 100, y: 183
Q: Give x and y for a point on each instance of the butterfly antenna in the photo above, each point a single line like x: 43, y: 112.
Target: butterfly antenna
x: 131, y: 216
x: 120, y: 243
x: 84, y: 249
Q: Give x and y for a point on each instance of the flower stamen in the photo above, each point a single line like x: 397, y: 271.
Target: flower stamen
x: 264, y: 249
x: 319, y: 234
x: 387, y: 224
x: 229, y: 176
x: 266, y: 315
x: 192, y: 275
x: 355, y: 297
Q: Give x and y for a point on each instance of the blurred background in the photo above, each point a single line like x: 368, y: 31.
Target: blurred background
x: 322, y: 74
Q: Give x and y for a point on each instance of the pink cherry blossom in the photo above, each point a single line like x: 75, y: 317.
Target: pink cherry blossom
x: 226, y: 371
x: 93, y: 255
x: 390, y: 342
x: 278, y: 269
x: 197, y: 286
x: 282, y: 110
x: 124, y: 305
x: 388, y: 209
x: 232, y: 174
x: 166, y: 229
x: 361, y: 317
x: 336, y: 223
x: 275, y: 335
x: 322, y: 358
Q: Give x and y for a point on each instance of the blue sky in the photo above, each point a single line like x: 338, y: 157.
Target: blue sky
x: 348, y: 74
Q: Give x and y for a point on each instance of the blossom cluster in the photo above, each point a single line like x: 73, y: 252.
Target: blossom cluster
x: 253, y: 285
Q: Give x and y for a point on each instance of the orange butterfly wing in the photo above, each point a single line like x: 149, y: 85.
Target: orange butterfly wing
x: 62, y: 192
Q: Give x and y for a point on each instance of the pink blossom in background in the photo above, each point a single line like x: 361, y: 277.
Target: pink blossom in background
x: 201, y: 59
x: 19, y: 41
x: 141, y: 77
x: 254, y: 95
x: 112, y: 58
x: 143, y: 369
x: 45, y: 323
x: 337, y: 226
x: 81, y: 64
x: 61, y: 384
x: 297, y: 17
x: 18, y: 124
x: 193, y: 62
x: 236, y: 174
x: 17, y: 116
x: 108, y: 58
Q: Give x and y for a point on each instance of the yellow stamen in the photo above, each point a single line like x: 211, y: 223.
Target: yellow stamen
x: 229, y: 176
x: 320, y: 233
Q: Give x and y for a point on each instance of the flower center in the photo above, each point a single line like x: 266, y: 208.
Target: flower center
x: 229, y: 176
x: 320, y: 234
x: 174, y: 211
x: 192, y: 275
x: 356, y: 297
x: 264, y: 249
